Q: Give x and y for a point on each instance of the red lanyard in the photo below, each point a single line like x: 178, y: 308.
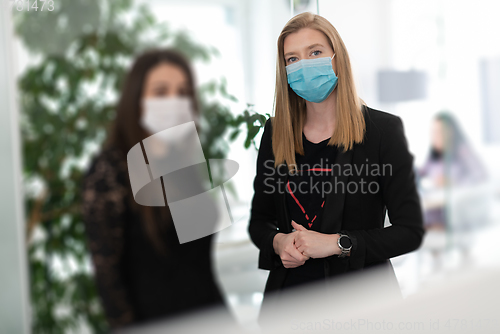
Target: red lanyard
x: 297, y: 201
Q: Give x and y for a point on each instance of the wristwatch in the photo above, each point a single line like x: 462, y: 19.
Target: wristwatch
x: 345, y: 244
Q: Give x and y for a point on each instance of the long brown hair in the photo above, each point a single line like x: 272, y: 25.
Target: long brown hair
x: 126, y: 130
x: 290, y: 109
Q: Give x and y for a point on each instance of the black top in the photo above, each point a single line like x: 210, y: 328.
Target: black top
x: 305, y: 197
x: 136, y: 283
x: 383, y: 165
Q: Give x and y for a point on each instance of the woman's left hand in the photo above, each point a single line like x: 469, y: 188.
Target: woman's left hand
x: 314, y: 244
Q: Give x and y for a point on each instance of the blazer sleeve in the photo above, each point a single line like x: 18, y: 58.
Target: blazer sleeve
x: 401, y: 199
x: 104, y: 213
x: 263, y: 224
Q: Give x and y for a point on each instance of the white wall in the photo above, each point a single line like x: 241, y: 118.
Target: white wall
x: 14, y: 304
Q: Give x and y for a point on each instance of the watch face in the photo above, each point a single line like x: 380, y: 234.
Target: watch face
x: 345, y: 242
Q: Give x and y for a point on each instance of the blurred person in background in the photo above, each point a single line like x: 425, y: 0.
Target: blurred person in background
x: 451, y: 162
x: 450, y: 182
x: 141, y: 270
x: 306, y: 235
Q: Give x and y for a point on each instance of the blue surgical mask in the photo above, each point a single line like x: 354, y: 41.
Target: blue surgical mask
x: 312, y: 79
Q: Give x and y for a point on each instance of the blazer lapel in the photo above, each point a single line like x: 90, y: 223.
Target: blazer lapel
x: 334, y: 202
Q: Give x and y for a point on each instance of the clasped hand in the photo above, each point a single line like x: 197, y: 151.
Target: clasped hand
x: 297, y: 247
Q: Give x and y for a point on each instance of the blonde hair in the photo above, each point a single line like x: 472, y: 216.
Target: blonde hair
x: 290, y: 109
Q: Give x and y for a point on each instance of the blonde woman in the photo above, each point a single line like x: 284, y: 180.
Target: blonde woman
x: 328, y: 169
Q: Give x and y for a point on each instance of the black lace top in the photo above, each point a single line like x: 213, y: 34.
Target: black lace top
x: 305, y: 197
x: 135, y: 282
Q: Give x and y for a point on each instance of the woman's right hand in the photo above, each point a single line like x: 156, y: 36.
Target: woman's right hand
x: 284, y: 246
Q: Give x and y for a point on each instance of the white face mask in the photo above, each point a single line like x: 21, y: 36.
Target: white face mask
x: 161, y: 113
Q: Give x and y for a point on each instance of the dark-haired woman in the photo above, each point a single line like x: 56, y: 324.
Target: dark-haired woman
x: 142, y: 271
x: 451, y: 162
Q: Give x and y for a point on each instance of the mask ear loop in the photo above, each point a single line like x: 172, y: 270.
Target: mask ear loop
x: 332, y: 60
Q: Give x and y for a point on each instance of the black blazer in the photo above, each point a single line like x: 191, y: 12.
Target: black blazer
x: 358, y: 213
